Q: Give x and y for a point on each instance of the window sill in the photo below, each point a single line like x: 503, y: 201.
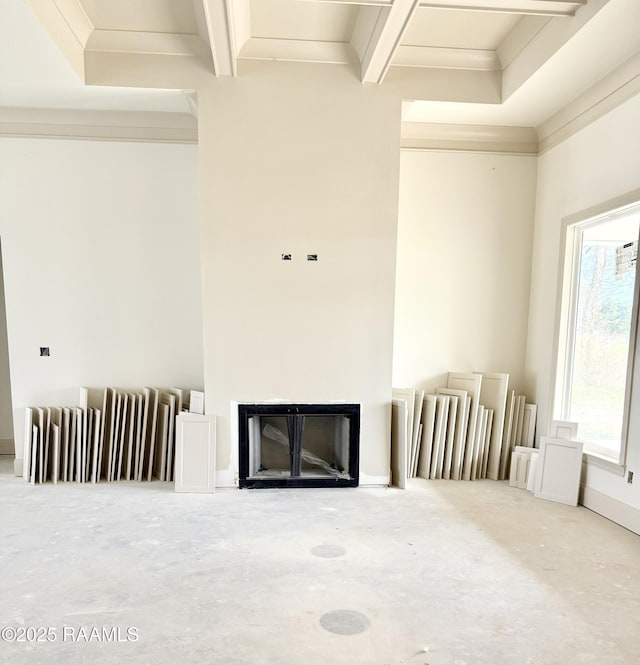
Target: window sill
x: 604, y: 463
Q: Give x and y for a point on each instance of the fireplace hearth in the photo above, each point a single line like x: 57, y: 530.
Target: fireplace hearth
x: 298, y: 445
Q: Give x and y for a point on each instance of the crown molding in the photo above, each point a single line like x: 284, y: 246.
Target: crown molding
x: 540, y: 7
x: 140, y: 126
x: 610, y: 92
x: 446, y: 58
x: 295, y: 50
x: 619, y: 86
x: 544, y: 7
x: 476, y: 138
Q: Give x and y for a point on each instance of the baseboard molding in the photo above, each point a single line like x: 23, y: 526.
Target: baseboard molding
x: 226, y: 479
x: 614, y: 510
x: 374, y: 481
x: 7, y: 447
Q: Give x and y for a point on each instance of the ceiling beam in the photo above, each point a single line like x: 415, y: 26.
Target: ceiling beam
x: 68, y: 25
x: 541, y: 7
x: 384, y: 28
x: 228, y: 28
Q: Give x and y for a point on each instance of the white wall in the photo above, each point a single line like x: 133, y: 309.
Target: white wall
x: 101, y: 264
x: 6, y: 412
x: 301, y: 159
x: 464, y: 254
x: 593, y: 166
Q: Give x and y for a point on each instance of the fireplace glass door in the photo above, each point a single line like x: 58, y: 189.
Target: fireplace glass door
x: 298, y: 445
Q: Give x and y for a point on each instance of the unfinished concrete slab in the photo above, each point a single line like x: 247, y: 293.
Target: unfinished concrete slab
x: 476, y: 573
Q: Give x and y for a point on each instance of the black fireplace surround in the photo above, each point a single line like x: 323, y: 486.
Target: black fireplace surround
x: 298, y: 445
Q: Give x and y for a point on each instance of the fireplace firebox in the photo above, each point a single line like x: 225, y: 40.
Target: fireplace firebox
x: 298, y: 445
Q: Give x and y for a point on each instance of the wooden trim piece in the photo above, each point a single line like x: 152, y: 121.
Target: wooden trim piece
x: 428, y: 429
x: 472, y: 383
x: 462, y: 415
x: 297, y: 50
x: 563, y: 429
x: 408, y: 395
x: 481, y: 138
x: 559, y: 470
x: 540, y: 7
x: 28, y: 438
x: 614, y: 510
x: 522, y: 467
x: 195, y: 453
x: 399, y: 430
x: 416, y: 431
x: 385, y: 38
x: 507, y: 433
x: 67, y: 28
x: 139, y: 126
x: 493, y: 395
x: 446, y: 58
x: 591, y: 459
x: 439, y: 436
x: 478, y: 450
x: 529, y: 425
x: 451, y: 437
x: 619, y: 86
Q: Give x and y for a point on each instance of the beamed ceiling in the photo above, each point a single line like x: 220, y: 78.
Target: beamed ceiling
x: 514, y: 63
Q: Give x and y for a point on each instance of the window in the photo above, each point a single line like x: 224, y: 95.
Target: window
x: 598, y: 328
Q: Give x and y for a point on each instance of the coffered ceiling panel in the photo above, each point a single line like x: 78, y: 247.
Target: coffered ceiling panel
x: 169, y: 16
x: 309, y: 21
x: 480, y: 62
x: 459, y: 29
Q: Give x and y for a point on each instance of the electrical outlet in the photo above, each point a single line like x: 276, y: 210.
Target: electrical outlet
x: 44, y: 351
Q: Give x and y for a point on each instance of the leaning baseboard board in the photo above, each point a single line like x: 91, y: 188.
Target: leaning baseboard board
x: 614, y: 510
x: 7, y: 447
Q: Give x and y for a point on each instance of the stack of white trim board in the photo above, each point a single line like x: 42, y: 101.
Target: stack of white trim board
x: 465, y: 430
x: 130, y: 437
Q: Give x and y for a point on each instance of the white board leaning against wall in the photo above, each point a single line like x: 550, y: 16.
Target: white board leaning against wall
x: 195, y: 453
x: 559, y: 469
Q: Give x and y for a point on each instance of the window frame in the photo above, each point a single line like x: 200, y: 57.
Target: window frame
x: 566, y: 315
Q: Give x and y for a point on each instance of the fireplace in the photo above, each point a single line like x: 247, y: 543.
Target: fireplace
x: 298, y: 445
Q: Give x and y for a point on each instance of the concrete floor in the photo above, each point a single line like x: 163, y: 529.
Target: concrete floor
x: 447, y: 572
